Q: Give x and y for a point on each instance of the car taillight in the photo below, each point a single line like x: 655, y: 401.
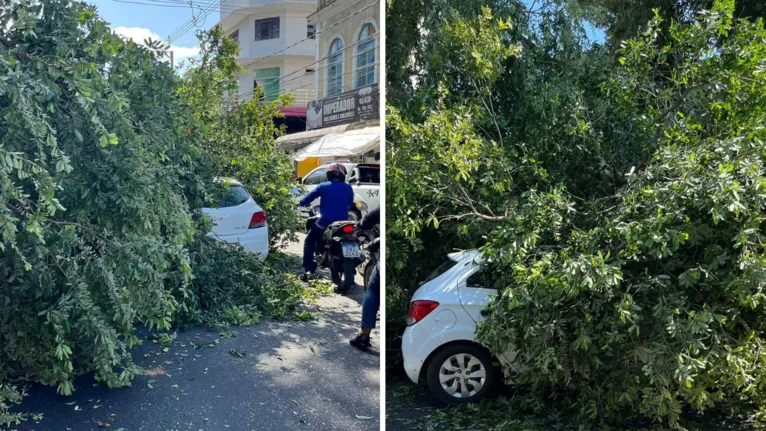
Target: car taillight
x: 258, y: 220
x: 419, y: 310
x: 348, y: 228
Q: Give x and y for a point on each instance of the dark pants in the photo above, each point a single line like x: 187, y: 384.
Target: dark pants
x: 371, y: 302
x: 309, y: 245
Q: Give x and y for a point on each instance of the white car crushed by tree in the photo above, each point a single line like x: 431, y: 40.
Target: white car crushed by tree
x: 439, y: 343
x: 240, y: 220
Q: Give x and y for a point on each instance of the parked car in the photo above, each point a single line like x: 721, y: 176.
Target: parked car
x: 363, y: 177
x: 239, y: 219
x: 438, y: 344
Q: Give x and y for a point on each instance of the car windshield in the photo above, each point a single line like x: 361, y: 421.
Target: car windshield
x: 444, y: 267
x: 369, y: 174
x: 237, y: 195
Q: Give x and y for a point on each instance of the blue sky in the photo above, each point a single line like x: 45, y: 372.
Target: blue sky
x: 140, y: 21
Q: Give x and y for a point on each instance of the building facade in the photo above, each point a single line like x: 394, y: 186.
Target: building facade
x: 344, y: 114
x: 348, y: 47
x: 277, y: 47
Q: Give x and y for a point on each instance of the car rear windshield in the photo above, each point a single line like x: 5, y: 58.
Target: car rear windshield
x: 369, y: 174
x: 237, y: 195
x: 444, y: 267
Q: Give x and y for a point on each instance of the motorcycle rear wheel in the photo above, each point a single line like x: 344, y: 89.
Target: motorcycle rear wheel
x: 349, y: 271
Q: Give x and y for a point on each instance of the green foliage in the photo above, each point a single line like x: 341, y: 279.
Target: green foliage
x: 9, y: 396
x: 94, y: 195
x: 650, y: 300
x: 240, y: 135
x: 628, y: 217
x: 241, y: 295
x: 622, y: 20
x: 106, y: 154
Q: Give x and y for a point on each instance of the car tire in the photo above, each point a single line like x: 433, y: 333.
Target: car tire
x: 474, y: 358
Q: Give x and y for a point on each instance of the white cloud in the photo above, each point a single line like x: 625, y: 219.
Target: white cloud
x: 139, y: 34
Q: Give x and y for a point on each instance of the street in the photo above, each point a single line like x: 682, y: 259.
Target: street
x: 274, y: 375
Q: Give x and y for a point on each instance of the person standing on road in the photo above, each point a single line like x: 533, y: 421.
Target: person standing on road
x: 371, y: 302
x: 336, y: 197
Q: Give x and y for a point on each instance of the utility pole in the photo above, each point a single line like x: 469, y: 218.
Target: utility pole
x: 171, y: 60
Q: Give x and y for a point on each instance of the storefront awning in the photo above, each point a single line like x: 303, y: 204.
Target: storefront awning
x: 344, y: 144
x: 295, y: 141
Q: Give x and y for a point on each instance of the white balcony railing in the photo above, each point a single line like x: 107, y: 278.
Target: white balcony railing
x: 302, y: 96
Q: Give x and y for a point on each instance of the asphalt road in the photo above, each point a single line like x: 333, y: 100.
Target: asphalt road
x: 271, y: 376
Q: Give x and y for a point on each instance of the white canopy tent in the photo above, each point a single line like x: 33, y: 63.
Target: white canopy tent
x: 345, y: 144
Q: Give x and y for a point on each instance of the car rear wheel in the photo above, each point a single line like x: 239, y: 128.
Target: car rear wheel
x: 462, y: 373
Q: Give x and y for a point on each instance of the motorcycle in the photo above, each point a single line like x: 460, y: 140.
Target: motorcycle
x: 338, y: 250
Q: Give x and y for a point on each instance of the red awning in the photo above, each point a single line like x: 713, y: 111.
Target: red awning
x: 293, y: 111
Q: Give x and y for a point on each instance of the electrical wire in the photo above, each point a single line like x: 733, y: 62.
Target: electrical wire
x: 188, y: 25
x: 377, y: 46
x: 326, y: 65
x: 233, y: 10
x: 345, y: 75
x: 289, y: 90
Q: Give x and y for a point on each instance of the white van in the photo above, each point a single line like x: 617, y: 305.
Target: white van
x: 363, y: 177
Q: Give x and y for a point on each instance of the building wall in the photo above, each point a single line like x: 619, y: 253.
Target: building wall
x: 292, y: 31
x: 258, y: 54
x: 295, y: 80
x: 348, y: 31
x: 236, y: 6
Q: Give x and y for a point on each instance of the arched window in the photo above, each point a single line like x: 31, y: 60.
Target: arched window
x: 365, y: 56
x: 335, y: 68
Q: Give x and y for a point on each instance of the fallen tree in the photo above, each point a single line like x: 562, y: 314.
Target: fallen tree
x: 104, y: 163
x: 621, y: 200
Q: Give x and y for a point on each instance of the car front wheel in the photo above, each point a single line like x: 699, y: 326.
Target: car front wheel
x: 462, y: 373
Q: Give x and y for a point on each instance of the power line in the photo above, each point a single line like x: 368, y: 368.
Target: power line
x: 184, y: 28
x: 377, y: 46
x: 315, y: 34
x: 326, y: 65
x: 287, y: 90
x: 189, y: 24
x: 354, y: 70
x: 233, y: 10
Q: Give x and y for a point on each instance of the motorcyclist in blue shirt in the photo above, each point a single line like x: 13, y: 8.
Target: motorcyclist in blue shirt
x: 336, y: 197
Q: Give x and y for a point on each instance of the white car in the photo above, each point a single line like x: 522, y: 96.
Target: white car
x: 438, y: 344
x: 363, y: 177
x: 238, y: 219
